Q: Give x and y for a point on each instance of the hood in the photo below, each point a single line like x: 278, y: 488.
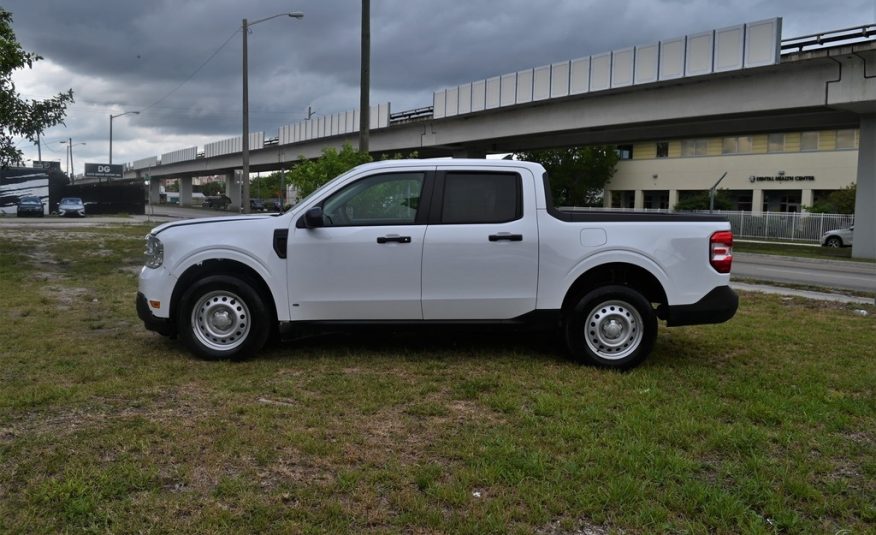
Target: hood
x: 218, y: 221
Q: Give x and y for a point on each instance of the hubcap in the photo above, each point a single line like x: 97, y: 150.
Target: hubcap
x: 613, y: 330
x: 220, y: 320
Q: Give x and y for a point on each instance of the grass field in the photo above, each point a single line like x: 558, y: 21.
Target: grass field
x: 765, y: 424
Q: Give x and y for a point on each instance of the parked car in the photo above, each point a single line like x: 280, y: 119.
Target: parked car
x: 274, y: 205
x: 71, y: 207
x: 219, y: 202
x: 30, y: 205
x: 256, y: 205
x: 841, y: 237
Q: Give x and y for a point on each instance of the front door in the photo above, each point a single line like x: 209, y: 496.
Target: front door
x: 364, y: 263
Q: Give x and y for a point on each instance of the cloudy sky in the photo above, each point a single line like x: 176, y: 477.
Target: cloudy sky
x: 122, y: 55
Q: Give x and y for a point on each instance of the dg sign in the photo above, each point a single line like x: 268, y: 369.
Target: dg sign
x: 103, y: 170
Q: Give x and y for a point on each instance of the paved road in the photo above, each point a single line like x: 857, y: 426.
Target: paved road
x: 838, y: 274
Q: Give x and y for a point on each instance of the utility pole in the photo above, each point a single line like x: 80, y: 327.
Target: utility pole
x: 244, y: 175
x: 365, y: 78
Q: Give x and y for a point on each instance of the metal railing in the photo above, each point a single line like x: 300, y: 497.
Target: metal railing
x: 848, y: 35
x: 802, y: 227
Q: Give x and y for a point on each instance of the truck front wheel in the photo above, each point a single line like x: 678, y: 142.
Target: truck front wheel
x: 611, y: 327
x: 223, y: 317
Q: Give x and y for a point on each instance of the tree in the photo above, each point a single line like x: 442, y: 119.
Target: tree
x: 268, y: 186
x: 19, y: 117
x: 311, y: 174
x: 841, y: 201
x: 577, y: 174
x: 700, y: 201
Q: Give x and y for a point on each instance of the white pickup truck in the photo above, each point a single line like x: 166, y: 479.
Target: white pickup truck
x: 438, y: 241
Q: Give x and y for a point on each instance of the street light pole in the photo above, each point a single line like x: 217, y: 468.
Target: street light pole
x: 244, y: 143
x: 70, y: 169
x: 111, y: 131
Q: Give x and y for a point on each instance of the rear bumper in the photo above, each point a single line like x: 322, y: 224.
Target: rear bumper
x: 717, y: 306
x: 160, y: 325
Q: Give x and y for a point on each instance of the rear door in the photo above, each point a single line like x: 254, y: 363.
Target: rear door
x: 480, y: 252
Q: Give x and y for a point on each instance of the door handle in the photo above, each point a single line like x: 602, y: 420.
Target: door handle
x: 506, y: 237
x: 396, y: 239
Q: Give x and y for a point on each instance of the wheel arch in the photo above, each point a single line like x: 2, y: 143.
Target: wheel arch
x: 222, y: 266
x: 616, y: 273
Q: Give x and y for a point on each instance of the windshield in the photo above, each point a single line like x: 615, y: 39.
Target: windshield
x: 71, y: 200
x: 30, y: 199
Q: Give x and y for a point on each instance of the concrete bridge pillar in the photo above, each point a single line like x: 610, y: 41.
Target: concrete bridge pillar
x: 232, y: 190
x: 185, y: 191
x: 154, y: 190
x: 638, y: 199
x: 606, y: 198
x: 864, y: 245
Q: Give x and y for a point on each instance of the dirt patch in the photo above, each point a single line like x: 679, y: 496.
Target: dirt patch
x: 580, y: 527
x: 184, y: 404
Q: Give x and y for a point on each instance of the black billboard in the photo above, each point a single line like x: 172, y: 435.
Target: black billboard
x: 104, y: 170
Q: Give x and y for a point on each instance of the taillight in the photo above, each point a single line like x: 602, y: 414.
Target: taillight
x: 721, y: 251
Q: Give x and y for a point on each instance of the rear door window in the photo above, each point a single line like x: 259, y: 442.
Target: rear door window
x: 471, y: 198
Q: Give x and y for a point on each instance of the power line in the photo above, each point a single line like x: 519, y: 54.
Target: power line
x: 201, y: 66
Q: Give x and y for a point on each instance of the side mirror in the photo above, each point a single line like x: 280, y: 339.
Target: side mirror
x: 313, y: 217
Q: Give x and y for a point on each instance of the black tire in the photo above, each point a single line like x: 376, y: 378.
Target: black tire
x: 834, y: 241
x: 611, y: 327
x: 223, y: 317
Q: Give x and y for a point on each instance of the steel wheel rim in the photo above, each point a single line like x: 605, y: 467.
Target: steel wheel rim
x: 220, y: 320
x: 613, y: 330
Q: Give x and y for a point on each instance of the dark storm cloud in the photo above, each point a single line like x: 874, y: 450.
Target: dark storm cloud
x: 121, y: 55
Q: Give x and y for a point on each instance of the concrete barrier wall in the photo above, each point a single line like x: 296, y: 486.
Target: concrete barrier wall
x: 725, y: 49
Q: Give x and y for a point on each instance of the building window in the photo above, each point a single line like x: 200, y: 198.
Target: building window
x: 624, y: 152
x: 845, y: 139
x: 809, y: 141
x: 736, y: 145
x: 776, y: 143
x: 662, y: 149
x: 694, y: 147
x: 743, y: 202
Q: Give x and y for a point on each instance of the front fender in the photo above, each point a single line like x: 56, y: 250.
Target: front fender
x: 272, y: 273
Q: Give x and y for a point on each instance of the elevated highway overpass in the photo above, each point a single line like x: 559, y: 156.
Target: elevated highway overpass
x: 827, y: 87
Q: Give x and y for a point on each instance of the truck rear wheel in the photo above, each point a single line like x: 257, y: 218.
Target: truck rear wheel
x: 611, y: 327
x: 223, y: 317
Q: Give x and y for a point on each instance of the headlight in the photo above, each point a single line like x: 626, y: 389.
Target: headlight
x: 154, y: 252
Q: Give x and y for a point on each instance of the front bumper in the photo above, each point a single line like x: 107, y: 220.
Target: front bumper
x: 162, y: 326
x: 717, y: 306
x: 26, y: 211
x: 71, y: 213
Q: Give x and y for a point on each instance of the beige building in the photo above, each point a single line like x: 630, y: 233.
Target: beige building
x: 776, y: 172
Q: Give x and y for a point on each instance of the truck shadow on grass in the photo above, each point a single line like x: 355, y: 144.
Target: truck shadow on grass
x: 419, y: 343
